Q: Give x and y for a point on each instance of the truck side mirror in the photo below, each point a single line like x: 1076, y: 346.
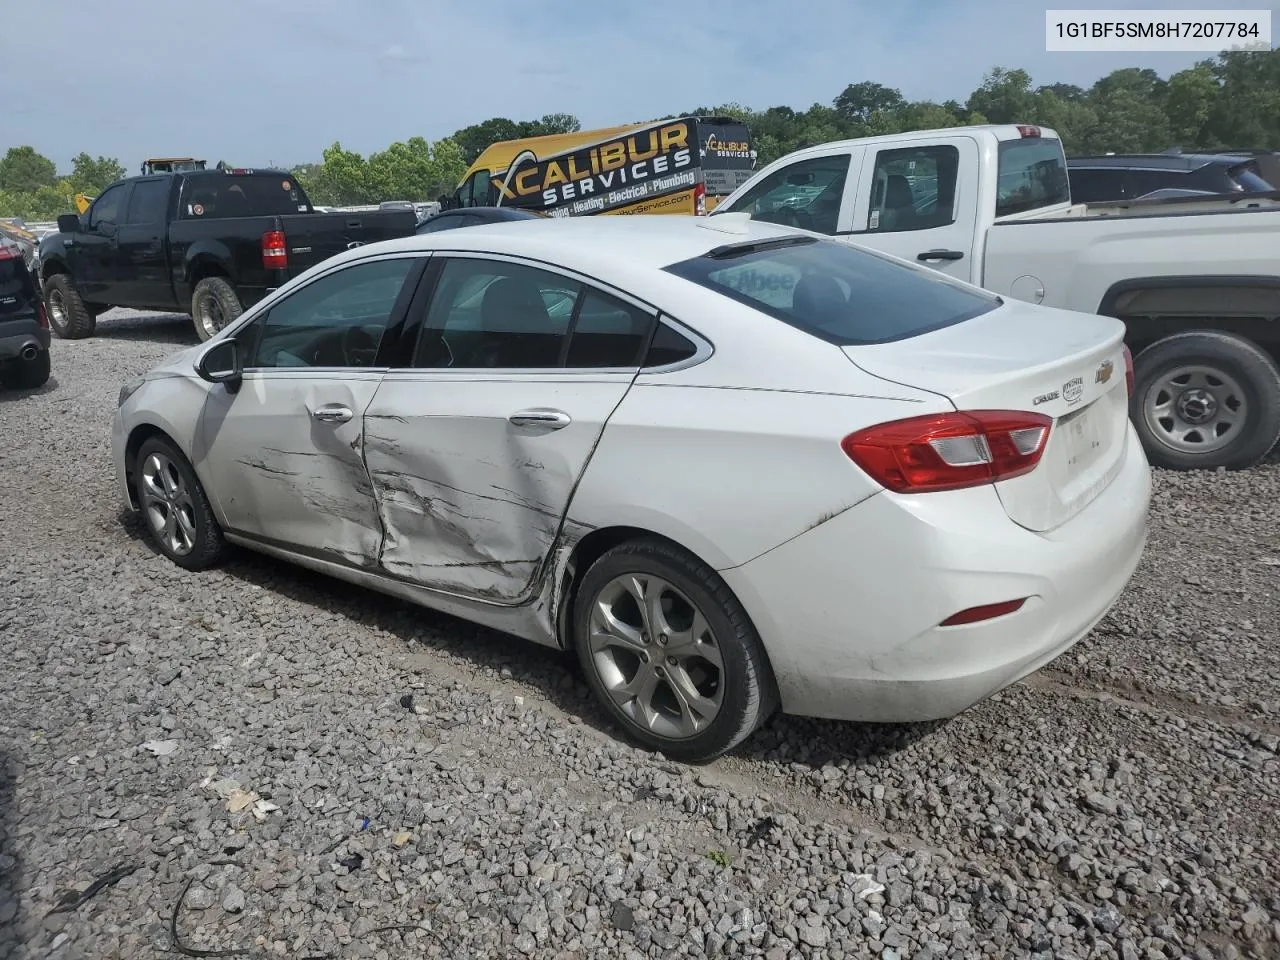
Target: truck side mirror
x: 69, y: 223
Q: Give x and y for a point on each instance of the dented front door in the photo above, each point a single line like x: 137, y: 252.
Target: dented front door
x: 473, y: 471
x: 283, y: 455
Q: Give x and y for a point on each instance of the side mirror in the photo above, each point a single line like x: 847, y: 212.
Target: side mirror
x: 221, y: 364
x: 69, y: 223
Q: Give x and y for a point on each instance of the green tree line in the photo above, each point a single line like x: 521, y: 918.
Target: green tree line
x: 1232, y: 100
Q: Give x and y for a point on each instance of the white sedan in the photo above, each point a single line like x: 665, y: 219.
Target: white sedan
x: 738, y: 468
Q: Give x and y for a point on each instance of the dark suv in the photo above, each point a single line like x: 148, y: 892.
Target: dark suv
x: 1134, y: 176
x: 24, y: 326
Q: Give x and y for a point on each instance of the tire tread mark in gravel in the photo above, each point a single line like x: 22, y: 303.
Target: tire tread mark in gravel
x: 1124, y: 693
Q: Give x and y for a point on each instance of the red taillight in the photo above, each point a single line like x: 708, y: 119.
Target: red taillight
x: 987, y: 611
x: 9, y: 252
x: 950, y: 451
x: 275, y: 255
x: 42, y: 315
x: 1028, y: 130
x: 1128, y: 369
x: 700, y: 200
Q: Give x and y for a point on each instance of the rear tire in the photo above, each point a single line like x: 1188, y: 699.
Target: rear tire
x: 29, y: 374
x: 175, y: 510
x: 1205, y: 399
x: 682, y: 670
x: 69, y: 318
x: 214, y: 304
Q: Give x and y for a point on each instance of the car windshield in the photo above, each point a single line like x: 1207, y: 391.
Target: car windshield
x: 834, y: 291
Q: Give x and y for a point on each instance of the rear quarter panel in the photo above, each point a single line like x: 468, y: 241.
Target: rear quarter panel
x: 737, y: 454
x: 1077, y: 260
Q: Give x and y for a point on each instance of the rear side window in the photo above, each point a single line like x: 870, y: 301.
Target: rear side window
x: 607, y: 333
x: 248, y: 195
x: 1097, y: 186
x: 146, y: 203
x: 913, y: 189
x: 668, y: 347
x: 1249, y: 179
x: 835, y: 292
x: 1032, y: 173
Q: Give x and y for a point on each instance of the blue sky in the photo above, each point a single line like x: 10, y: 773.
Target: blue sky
x: 258, y: 82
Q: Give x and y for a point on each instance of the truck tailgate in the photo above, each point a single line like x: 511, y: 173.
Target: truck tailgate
x: 313, y: 237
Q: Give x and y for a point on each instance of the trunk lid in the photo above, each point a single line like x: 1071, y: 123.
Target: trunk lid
x: 1060, y: 364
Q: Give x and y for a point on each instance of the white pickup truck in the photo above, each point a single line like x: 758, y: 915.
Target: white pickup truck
x: 1196, y: 281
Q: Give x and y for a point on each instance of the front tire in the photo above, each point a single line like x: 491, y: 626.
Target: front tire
x: 30, y: 374
x: 174, y: 507
x: 214, y: 304
x: 69, y: 317
x: 670, y: 652
x: 1205, y: 399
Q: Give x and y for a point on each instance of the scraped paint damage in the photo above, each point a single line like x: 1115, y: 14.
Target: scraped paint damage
x: 458, y: 525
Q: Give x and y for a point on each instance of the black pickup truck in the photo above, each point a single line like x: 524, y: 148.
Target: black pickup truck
x: 210, y: 243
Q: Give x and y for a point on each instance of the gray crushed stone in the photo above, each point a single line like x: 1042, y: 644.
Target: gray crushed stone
x: 1125, y: 802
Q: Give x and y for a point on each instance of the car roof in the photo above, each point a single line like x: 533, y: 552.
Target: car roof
x: 591, y: 243
x: 1156, y: 161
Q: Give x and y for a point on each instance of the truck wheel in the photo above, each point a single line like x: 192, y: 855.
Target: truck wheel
x: 1205, y: 399
x: 214, y: 304
x: 69, y: 318
x: 29, y: 374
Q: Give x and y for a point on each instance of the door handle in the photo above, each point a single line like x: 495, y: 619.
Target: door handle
x: 941, y: 255
x: 551, y: 419
x: 332, y: 413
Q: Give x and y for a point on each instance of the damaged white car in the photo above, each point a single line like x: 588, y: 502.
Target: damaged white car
x: 736, y: 467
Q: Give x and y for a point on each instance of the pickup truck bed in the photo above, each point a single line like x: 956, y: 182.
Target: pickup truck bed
x: 209, y: 243
x: 1196, y: 280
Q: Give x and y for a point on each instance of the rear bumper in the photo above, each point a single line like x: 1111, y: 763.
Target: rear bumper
x: 17, y: 335
x: 849, y: 611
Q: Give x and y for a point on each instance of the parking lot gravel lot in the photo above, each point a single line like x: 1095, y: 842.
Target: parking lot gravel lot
x: 444, y: 791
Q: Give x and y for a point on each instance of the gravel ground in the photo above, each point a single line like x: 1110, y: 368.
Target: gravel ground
x: 432, y: 789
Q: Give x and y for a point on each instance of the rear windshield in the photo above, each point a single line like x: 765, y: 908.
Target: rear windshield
x: 247, y: 195
x: 17, y: 291
x: 836, y: 292
x: 1032, y: 173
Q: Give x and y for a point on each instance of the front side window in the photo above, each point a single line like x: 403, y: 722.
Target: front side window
x: 805, y: 194
x: 913, y: 189
x: 836, y: 292
x: 336, y: 321
x: 1031, y: 173
x: 107, y: 207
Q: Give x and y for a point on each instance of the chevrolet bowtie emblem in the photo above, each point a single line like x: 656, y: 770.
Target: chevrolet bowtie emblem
x: 1104, y: 372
